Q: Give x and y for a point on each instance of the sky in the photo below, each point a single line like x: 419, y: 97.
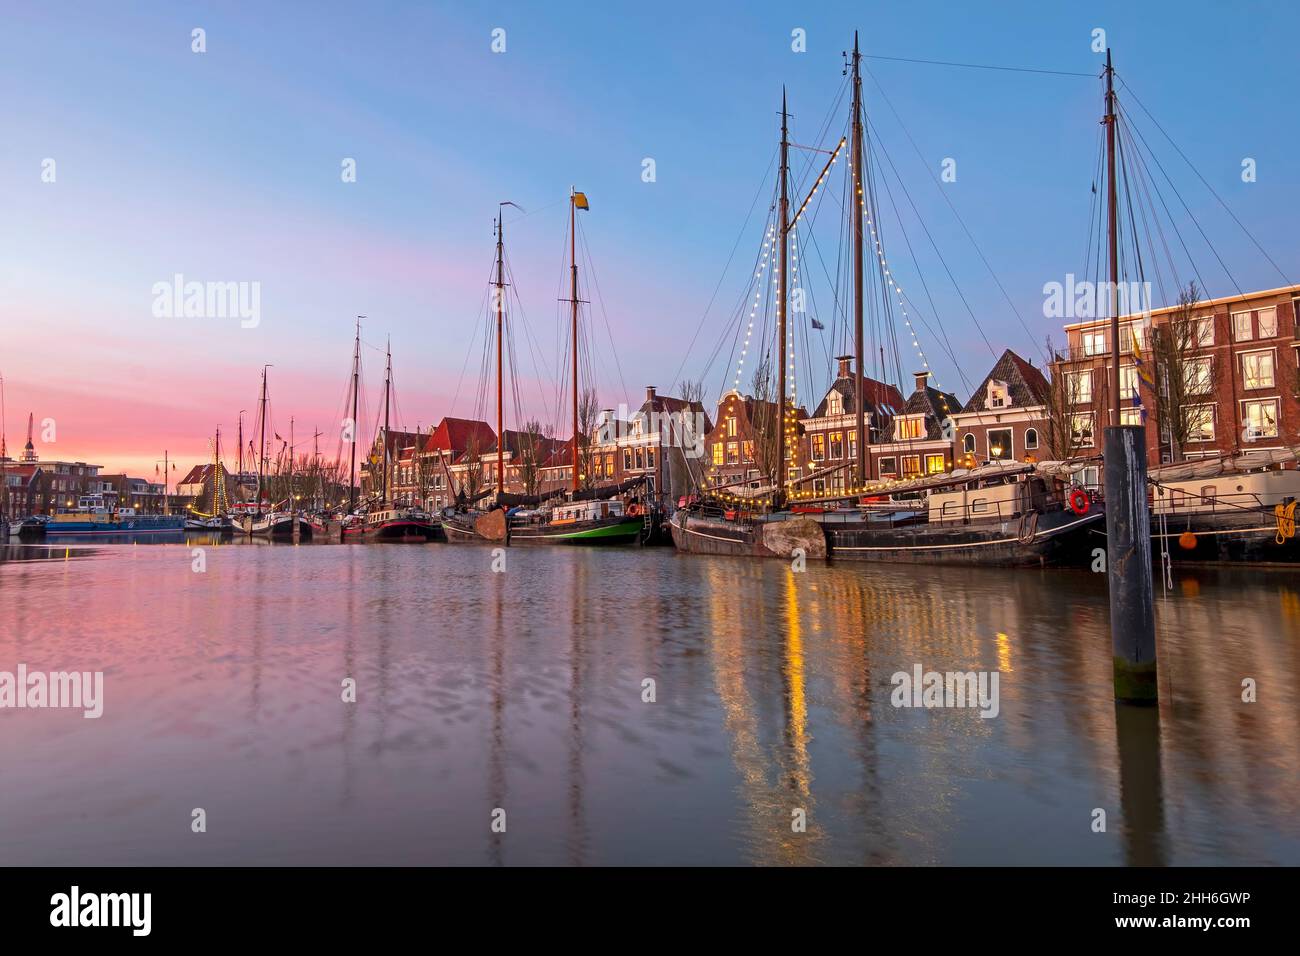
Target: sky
x: 227, y: 166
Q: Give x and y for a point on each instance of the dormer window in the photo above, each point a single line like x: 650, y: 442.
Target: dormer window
x: 999, y: 395
x: 834, y: 403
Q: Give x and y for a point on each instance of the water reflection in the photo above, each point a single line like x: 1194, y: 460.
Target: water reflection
x: 522, y: 691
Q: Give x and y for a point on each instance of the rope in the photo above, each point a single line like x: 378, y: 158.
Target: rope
x: 1285, y: 522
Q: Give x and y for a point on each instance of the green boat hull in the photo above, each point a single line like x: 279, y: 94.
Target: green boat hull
x: 622, y: 531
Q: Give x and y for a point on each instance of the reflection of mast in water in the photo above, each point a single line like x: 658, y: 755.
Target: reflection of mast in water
x: 578, y: 831
x: 496, y: 750
x: 1141, y: 793
x: 349, y: 670
x: 771, y: 793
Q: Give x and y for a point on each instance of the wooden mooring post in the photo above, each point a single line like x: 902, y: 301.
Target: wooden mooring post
x: 1128, y: 565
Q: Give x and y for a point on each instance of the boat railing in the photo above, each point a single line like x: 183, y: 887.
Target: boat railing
x: 1189, y: 503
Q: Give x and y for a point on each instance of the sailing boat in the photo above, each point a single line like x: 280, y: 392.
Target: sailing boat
x: 590, y: 516
x: 389, y: 522
x: 1006, y: 515
x: 217, y: 521
x: 275, y: 524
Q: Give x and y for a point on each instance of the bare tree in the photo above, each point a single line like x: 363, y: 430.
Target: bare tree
x: 472, y: 483
x: 766, y: 422
x: 530, y: 452
x: 1186, y: 374
x: 1067, y: 434
x: 588, y: 412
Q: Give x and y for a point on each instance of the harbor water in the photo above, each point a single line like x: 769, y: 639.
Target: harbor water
x: 631, y: 706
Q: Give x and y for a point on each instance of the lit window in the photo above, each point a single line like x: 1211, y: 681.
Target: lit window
x: 934, y: 464
x: 1260, y: 419
x: 1000, y: 445
x: 731, y: 427
x: 1079, y: 385
x: 733, y: 453
x: 1130, y: 416
x: 1200, y: 422
x: 818, y: 447
x: 1198, y: 376
x: 717, y: 453
x: 1128, y: 381
x: 911, y: 466
x: 837, y: 444
x: 912, y: 426
x: 968, y: 444
x: 1257, y: 370
x: 1081, y: 430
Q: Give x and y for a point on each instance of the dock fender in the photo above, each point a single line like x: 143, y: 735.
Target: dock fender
x: 781, y: 538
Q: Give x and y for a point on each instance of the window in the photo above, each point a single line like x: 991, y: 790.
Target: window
x: 998, y: 395
x: 819, y: 486
x: 640, y: 458
x: 853, y: 443
x: 1198, y: 376
x: 1204, y: 331
x: 731, y: 427
x: 837, y: 444
x: 911, y: 466
x: 913, y: 426
x: 748, y: 448
x: 979, y: 505
x: 819, y: 447
x: 717, y: 453
x: 609, y: 465
x: 834, y: 403
x: 1130, y: 416
x: 1094, y: 343
x: 650, y: 454
x: 1241, y: 327
x: 1031, y: 439
x: 889, y: 466
x: 1079, y: 385
x: 733, y: 453
x: 1257, y: 370
x: 1128, y: 381
x: 627, y: 459
x: 1000, y: 446
x: 1260, y: 419
x: 1200, y: 422
x: 1081, y: 430
x: 968, y: 444
x: 1267, y: 322
x: 934, y: 464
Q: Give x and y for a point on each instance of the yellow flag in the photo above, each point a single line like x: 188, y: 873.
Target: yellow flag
x: 580, y: 201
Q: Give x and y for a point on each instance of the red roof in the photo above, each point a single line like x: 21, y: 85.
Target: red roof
x: 456, y: 435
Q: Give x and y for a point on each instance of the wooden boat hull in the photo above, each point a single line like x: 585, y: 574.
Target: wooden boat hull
x: 1034, y: 540
x: 1224, y: 538
x: 280, y: 528
x: 403, y: 531
x: 625, y: 529
x: 773, y: 538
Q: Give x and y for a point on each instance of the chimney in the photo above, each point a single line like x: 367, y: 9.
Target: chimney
x: 650, y: 394
x: 846, y: 365
x: 921, y: 380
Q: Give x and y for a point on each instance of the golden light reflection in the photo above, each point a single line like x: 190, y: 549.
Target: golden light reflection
x: 1004, y: 654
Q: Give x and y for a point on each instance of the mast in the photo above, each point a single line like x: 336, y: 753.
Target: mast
x: 388, y: 384
x: 4, y: 454
x: 857, y: 213
x: 261, y: 442
x: 1113, y: 230
x: 780, y: 299
x: 573, y: 332
x: 501, y: 322
x: 356, y: 386
x: 291, y: 504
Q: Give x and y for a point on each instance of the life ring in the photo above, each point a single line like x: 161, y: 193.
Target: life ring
x: 633, y: 510
x: 1079, y: 502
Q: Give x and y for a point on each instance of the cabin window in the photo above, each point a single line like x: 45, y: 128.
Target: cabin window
x: 968, y: 444
x: 1000, y: 447
x: 837, y: 444
x: 1260, y: 419
x: 1257, y: 369
x: 1031, y: 439
x: 819, y: 447
x: 979, y: 505
x: 1208, y: 494
x: 951, y: 508
x: 889, y: 466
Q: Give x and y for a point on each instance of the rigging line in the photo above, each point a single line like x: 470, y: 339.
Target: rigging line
x: 1203, y: 180
x: 468, y: 351
x: 722, y: 278
x: 951, y: 206
x: 877, y: 145
x: 976, y: 66
x: 1092, y: 209
x: 1141, y: 139
x: 945, y: 341
x: 534, y: 348
x: 600, y: 300
x: 1144, y: 190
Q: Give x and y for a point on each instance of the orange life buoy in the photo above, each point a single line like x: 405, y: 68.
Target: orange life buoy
x: 633, y: 510
x: 1079, y: 501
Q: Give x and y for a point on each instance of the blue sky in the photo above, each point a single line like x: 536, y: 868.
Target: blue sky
x: 226, y: 166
